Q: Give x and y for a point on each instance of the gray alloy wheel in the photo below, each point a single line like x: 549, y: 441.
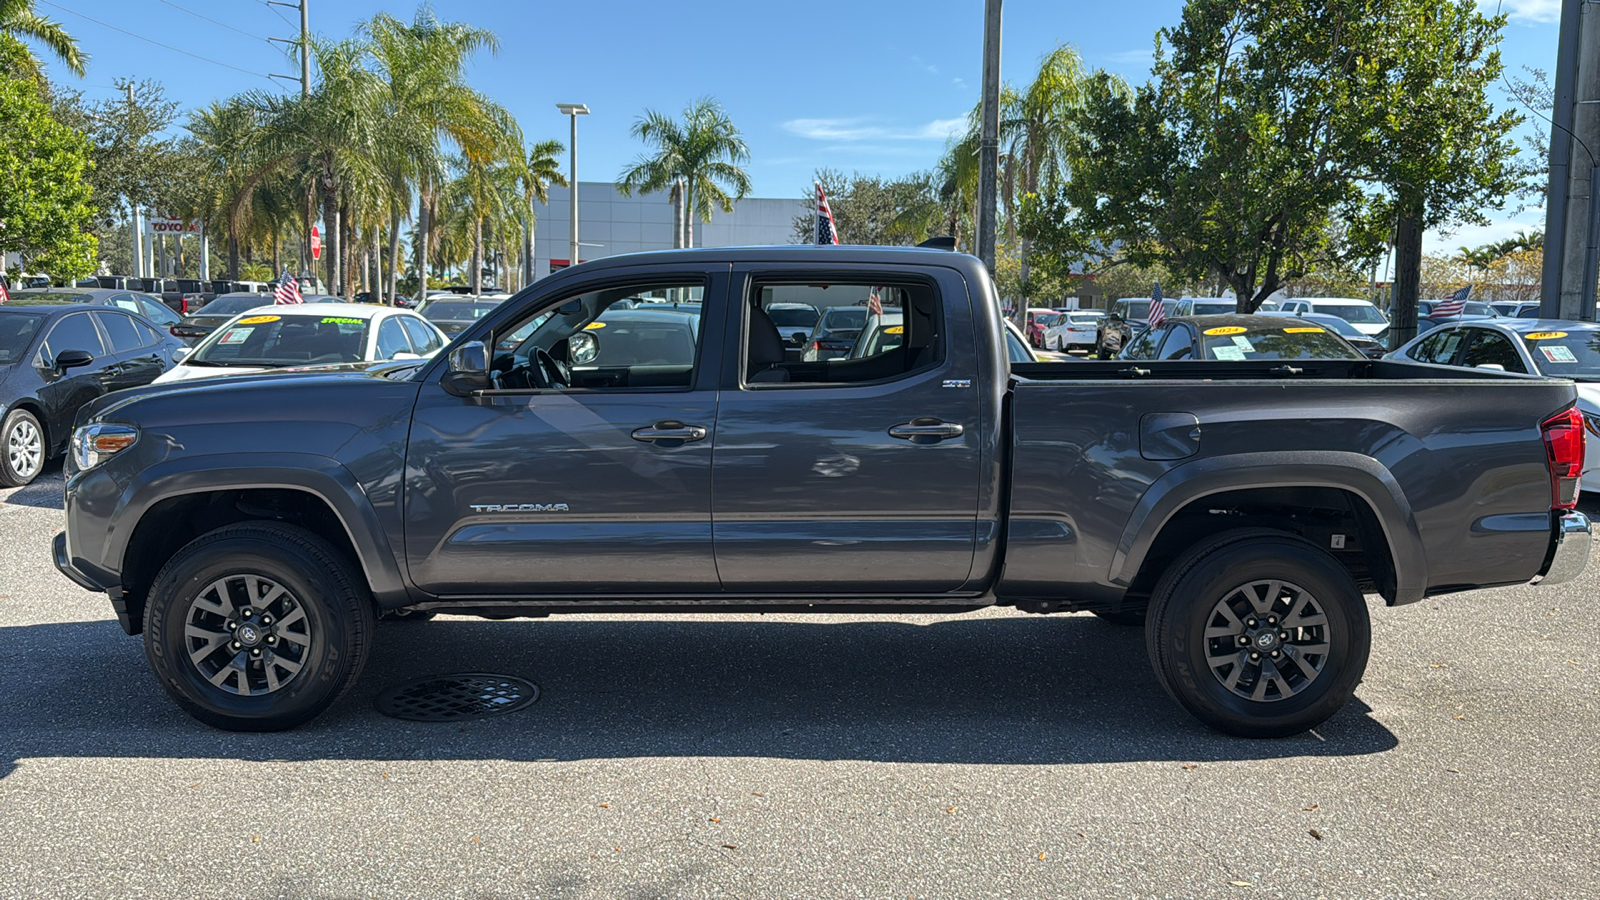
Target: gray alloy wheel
x: 247, y: 634
x: 23, y: 449
x: 1267, y: 640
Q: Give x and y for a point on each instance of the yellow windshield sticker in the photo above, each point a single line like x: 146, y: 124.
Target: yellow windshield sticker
x: 258, y: 320
x: 338, y: 320
x: 1544, y: 335
x: 1307, y: 330
x: 594, y: 325
x: 895, y: 329
x: 1220, y: 332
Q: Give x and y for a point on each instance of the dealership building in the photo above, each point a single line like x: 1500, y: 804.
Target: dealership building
x: 610, y: 224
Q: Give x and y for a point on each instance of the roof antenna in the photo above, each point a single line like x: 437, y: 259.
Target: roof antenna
x: 942, y: 242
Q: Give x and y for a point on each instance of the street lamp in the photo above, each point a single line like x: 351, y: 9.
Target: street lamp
x: 574, y: 110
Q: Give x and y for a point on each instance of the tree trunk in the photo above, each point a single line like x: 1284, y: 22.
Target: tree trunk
x: 422, y: 245
x: 394, y: 255
x: 348, y: 272
x: 688, y: 213
x: 527, y: 247
x: 277, y: 254
x: 233, y: 253
x: 375, y: 286
x: 330, y: 219
x: 476, y: 281
x: 677, y: 213
x: 1407, y: 276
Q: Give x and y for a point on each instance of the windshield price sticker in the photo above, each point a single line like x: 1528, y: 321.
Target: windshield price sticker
x: 237, y: 335
x: 338, y: 320
x: 1544, y: 335
x: 1558, y: 354
x: 895, y: 329
x: 593, y: 326
x: 1219, y: 332
x: 258, y: 320
x: 1243, y: 343
x: 1228, y: 354
x: 1305, y: 331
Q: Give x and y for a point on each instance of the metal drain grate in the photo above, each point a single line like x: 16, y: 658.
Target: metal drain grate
x: 447, y: 698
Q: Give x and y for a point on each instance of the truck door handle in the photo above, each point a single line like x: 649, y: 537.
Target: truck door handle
x: 927, y: 430
x: 670, y: 434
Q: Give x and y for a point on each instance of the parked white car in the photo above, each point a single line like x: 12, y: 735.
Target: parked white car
x: 1367, y: 319
x: 1074, y: 330
x: 311, y: 334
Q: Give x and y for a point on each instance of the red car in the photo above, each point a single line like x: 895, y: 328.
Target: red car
x: 1038, y: 321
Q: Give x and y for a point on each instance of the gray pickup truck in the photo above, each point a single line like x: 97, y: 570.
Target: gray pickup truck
x: 628, y: 435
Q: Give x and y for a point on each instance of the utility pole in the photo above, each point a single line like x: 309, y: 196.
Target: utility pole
x: 138, y: 217
x: 1572, y: 216
x: 305, y: 93
x: 989, y: 138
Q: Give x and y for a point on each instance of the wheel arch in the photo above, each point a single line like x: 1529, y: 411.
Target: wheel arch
x: 1310, y: 493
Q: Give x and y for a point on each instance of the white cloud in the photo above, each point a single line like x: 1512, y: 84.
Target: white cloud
x: 1525, y: 10
x: 1442, y: 241
x: 864, y: 129
x: 1132, y: 57
x: 959, y: 82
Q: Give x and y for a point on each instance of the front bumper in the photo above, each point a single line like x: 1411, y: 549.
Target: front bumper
x: 1571, y: 554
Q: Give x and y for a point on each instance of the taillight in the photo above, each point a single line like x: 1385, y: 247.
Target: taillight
x: 1563, y: 448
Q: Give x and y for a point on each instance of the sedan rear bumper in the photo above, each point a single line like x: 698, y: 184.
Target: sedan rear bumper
x: 1573, y: 535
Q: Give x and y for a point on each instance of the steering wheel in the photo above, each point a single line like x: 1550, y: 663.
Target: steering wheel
x: 549, y: 372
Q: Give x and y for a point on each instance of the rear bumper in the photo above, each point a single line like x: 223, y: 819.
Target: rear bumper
x: 1571, y: 554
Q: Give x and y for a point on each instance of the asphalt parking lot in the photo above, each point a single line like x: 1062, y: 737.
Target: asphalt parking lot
x: 993, y: 754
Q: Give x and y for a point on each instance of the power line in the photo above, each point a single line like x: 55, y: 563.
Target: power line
x: 151, y: 41
x: 275, y: 12
x: 213, y: 21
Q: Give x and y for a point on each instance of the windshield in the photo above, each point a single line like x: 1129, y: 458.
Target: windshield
x: 1084, y: 320
x: 643, y: 340
x: 458, y: 309
x: 792, y: 316
x: 1294, y: 341
x: 16, y: 333
x: 838, y: 317
x: 1134, y: 309
x: 1214, y: 308
x: 232, y: 306
x: 292, y: 340
x: 1016, y: 350
x: 1567, y: 354
x: 1361, y: 314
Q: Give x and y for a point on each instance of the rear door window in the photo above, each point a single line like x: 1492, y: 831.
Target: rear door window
x: 1491, y: 348
x: 1176, y: 345
x: 423, y: 338
x: 75, y: 332
x: 123, y: 331
x: 392, y: 339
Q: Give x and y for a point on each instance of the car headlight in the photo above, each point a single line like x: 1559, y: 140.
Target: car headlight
x: 94, y: 444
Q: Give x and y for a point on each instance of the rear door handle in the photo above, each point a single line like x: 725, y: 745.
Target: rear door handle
x: 670, y: 434
x: 927, y: 430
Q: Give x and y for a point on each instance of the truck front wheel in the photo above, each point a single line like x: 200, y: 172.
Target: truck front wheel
x: 257, y: 626
x: 1258, y: 633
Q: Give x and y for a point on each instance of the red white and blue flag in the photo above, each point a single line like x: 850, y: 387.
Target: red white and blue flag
x: 1158, y: 310
x: 826, y: 233
x: 5, y: 292
x: 875, y: 303
x: 1455, y: 306
x: 288, y: 290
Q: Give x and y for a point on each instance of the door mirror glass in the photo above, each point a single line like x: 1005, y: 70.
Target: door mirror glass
x: 181, y: 354
x: 471, y: 358
x: 583, y: 348
x: 72, y: 359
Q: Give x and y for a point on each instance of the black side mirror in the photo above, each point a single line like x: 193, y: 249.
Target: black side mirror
x: 72, y: 359
x: 798, y: 338
x: 467, y: 370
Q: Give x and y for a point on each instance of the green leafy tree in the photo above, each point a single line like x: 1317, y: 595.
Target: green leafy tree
x: 18, y: 19
x: 539, y: 170
x: 44, y: 195
x: 706, y: 150
x: 868, y: 209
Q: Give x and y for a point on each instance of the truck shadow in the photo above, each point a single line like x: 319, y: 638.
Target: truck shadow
x: 44, y: 492
x: 991, y: 690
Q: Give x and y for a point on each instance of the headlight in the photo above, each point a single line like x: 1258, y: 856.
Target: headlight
x: 94, y: 444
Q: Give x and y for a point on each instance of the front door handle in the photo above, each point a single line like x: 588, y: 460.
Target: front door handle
x: 670, y: 434
x: 927, y: 430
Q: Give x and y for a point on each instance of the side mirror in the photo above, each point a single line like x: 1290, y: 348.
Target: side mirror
x: 405, y: 355
x: 583, y: 348
x: 181, y: 354
x: 467, y: 370
x: 798, y: 338
x: 72, y: 359
x: 1495, y: 366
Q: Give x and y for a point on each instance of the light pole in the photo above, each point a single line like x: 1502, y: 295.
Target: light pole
x: 574, y: 110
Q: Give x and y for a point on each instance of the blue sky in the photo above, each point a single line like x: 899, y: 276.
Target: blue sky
x: 870, y: 85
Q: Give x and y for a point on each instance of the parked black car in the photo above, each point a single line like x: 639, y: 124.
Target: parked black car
x: 151, y: 308
x: 835, y: 333
x: 55, y: 356
x: 1238, y: 338
x: 452, y: 316
x: 203, y: 321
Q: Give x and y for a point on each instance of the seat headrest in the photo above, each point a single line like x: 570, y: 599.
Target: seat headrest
x: 766, y: 345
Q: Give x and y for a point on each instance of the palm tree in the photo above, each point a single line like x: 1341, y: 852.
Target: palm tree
x: 18, y: 19
x: 539, y: 170
x: 705, y: 150
x: 225, y: 135
x: 427, y: 102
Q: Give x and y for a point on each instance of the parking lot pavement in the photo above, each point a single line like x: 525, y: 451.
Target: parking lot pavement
x: 981, y: 755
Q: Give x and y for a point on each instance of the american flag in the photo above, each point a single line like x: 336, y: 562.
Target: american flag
x: 288, y: 290
x: 5, y: 292
x: 826, y: 233
x: 1455, y: 306
x: 1158, y: 310
x: 875, y: 303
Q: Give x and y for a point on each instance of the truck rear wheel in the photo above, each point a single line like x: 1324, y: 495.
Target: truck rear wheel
x: 258, y: 626
x: 1258, y: 633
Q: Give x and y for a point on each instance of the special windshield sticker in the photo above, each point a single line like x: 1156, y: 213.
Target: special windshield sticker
x: 1231, y: 329
x: 895, y: 329
x: 1305, y: 331
x: 1558, y: 354
x: 258, y: 320
x: 1544, y: 335
x: 236, y: 335
x: 1228, y: 354
x: 337, y: 320
x: 592, y: 326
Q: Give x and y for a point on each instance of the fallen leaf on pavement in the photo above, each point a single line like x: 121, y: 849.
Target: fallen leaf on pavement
x: 950, y: 809
x: 1316, y: 834
x: 605, y: 806
x: 1041, y: 856
x: 716, y: 820
x: 1190, y: 767
x: 1240, y: 883
x: 1312, y: 808
x: 729, y: 847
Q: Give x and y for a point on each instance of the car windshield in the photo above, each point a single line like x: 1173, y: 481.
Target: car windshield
x: 1214, y: 308
x: 458, y: 309
x: 1084, y: 320
x: 1135, y: 309
x: 1016, y: 350
x: 1567, y: 354
x: 1292, y: 341
x: 283, y: 340
x: 232, y: 306
x: 1361, y: 314
x: 644, y: 340
x: 844, y: 317
x: 792, y: 316
x: 16, y: 333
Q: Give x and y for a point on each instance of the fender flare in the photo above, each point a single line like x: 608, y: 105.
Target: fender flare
x: 1354, y: 472
x: 309, y: 473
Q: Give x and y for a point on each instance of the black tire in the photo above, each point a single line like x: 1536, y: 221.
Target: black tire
x: 1132, y: 618
x: 19, y: 466
x: 331, y: 634
x: 1236, y: 570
